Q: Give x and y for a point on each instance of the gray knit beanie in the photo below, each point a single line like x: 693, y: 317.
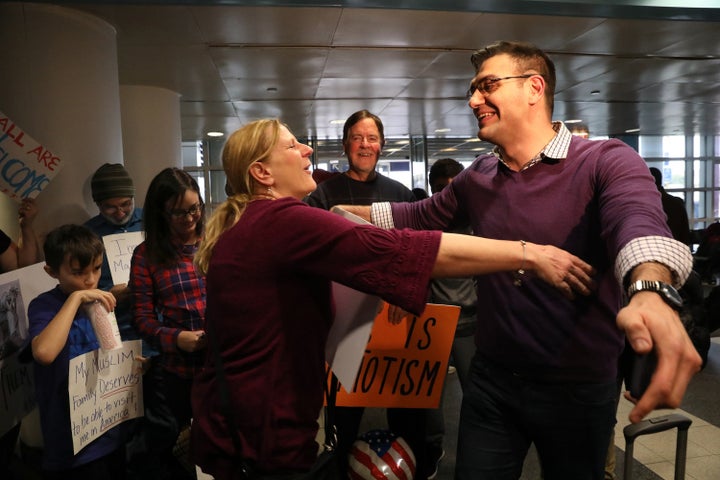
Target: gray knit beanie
x: 111, y: 181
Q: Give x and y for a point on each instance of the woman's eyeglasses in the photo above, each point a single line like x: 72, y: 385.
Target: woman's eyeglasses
x: 194, y: 211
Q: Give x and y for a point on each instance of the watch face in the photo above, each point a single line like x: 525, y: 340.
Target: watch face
x: 666, y: 292
x: 671, y: 295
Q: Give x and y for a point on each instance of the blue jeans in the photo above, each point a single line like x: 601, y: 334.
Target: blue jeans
x: 503, y: 413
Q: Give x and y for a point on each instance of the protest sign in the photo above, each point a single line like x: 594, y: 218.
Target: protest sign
x: 105, y: 389
x: 354, y: 315
x: 18, y: 392
x: 26, y: 165
x: 404, y: 365
x: 350, y: 331
x: 17, y: 289
x: 119, y: 248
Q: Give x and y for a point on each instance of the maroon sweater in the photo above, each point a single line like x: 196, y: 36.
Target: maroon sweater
x: 269, y: 300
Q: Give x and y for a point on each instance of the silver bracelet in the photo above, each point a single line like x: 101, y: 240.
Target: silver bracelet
x: 517, y: 281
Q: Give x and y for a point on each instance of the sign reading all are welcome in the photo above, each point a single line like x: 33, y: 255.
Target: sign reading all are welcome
x: 26, y: 166
x: 404, y: 365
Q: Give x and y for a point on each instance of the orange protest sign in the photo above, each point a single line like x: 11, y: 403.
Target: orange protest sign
x: 404, y: 365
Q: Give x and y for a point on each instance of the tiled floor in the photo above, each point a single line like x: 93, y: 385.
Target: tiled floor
x: 654, y: 454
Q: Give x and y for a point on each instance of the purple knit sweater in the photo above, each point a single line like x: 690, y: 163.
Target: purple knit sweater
x: 591, y: 204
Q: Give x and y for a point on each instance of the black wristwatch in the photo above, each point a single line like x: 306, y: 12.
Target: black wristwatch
x: 666, y: 292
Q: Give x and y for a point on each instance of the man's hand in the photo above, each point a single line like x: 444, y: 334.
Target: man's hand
x: 649, y: 322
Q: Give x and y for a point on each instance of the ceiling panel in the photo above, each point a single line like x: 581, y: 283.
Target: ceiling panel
x: 278, y: 63
x: 377, y: 62
x: 312, y: 65
x: 267, y: 26
x: 539, y: 29
x: 403, y: 28
x: 633, y: 37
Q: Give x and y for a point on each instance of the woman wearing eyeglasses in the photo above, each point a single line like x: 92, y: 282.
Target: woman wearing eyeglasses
x: 169, y: 312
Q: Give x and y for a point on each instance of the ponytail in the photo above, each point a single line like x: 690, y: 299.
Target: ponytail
x: 224, y: 218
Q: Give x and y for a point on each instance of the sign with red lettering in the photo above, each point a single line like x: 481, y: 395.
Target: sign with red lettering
x: 404, y: 365
x: 26, y: 166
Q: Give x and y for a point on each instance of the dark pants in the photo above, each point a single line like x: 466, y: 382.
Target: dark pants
x: 8, y: 442
x: 503, y: 413
x: 167, y: 411
x: 463, y: 350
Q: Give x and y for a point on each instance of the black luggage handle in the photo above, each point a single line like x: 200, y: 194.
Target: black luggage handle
x: 654, y: 425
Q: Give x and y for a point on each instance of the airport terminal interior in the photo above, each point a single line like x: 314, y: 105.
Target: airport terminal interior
x: 645, y: 72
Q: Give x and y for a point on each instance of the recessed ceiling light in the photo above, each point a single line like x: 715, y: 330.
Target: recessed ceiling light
x: 337, y: 122
x: 574, y: 120
x: 443, y: 130
x: 215, y: 134
x: 632, y: 130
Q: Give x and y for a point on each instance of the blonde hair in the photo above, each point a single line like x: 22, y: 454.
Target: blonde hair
x: 247, y: 145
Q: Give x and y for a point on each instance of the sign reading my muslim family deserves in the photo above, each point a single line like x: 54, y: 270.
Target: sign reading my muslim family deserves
x: 26, y: 166
x: 404, y: 365
x: 105, y: 389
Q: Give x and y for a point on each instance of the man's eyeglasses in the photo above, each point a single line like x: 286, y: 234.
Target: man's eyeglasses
x: 194, y: 211
x: 110, y: 209
x: 486, y: 86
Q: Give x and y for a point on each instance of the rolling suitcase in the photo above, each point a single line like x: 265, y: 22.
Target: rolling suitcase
x: 654, y: 425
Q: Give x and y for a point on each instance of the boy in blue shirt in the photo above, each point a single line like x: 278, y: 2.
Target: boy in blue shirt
x: 60, y: 330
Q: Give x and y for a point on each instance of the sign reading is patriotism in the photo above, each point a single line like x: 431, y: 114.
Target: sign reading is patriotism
x: 26, y: 166
x: 404, y: 365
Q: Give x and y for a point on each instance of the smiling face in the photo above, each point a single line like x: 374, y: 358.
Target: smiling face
x: 287, y: 170
x: 503, y: 104
x: 117, y: 210
x: 183, y: 215
x: 363, y: 147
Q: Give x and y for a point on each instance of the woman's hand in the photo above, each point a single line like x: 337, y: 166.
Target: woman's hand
x: 27, y: 211
x: 396, y: 314
x: 562, y: 270
x: 192, y: 340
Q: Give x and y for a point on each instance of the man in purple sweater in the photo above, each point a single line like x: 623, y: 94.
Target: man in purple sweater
x: 546, y: 366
